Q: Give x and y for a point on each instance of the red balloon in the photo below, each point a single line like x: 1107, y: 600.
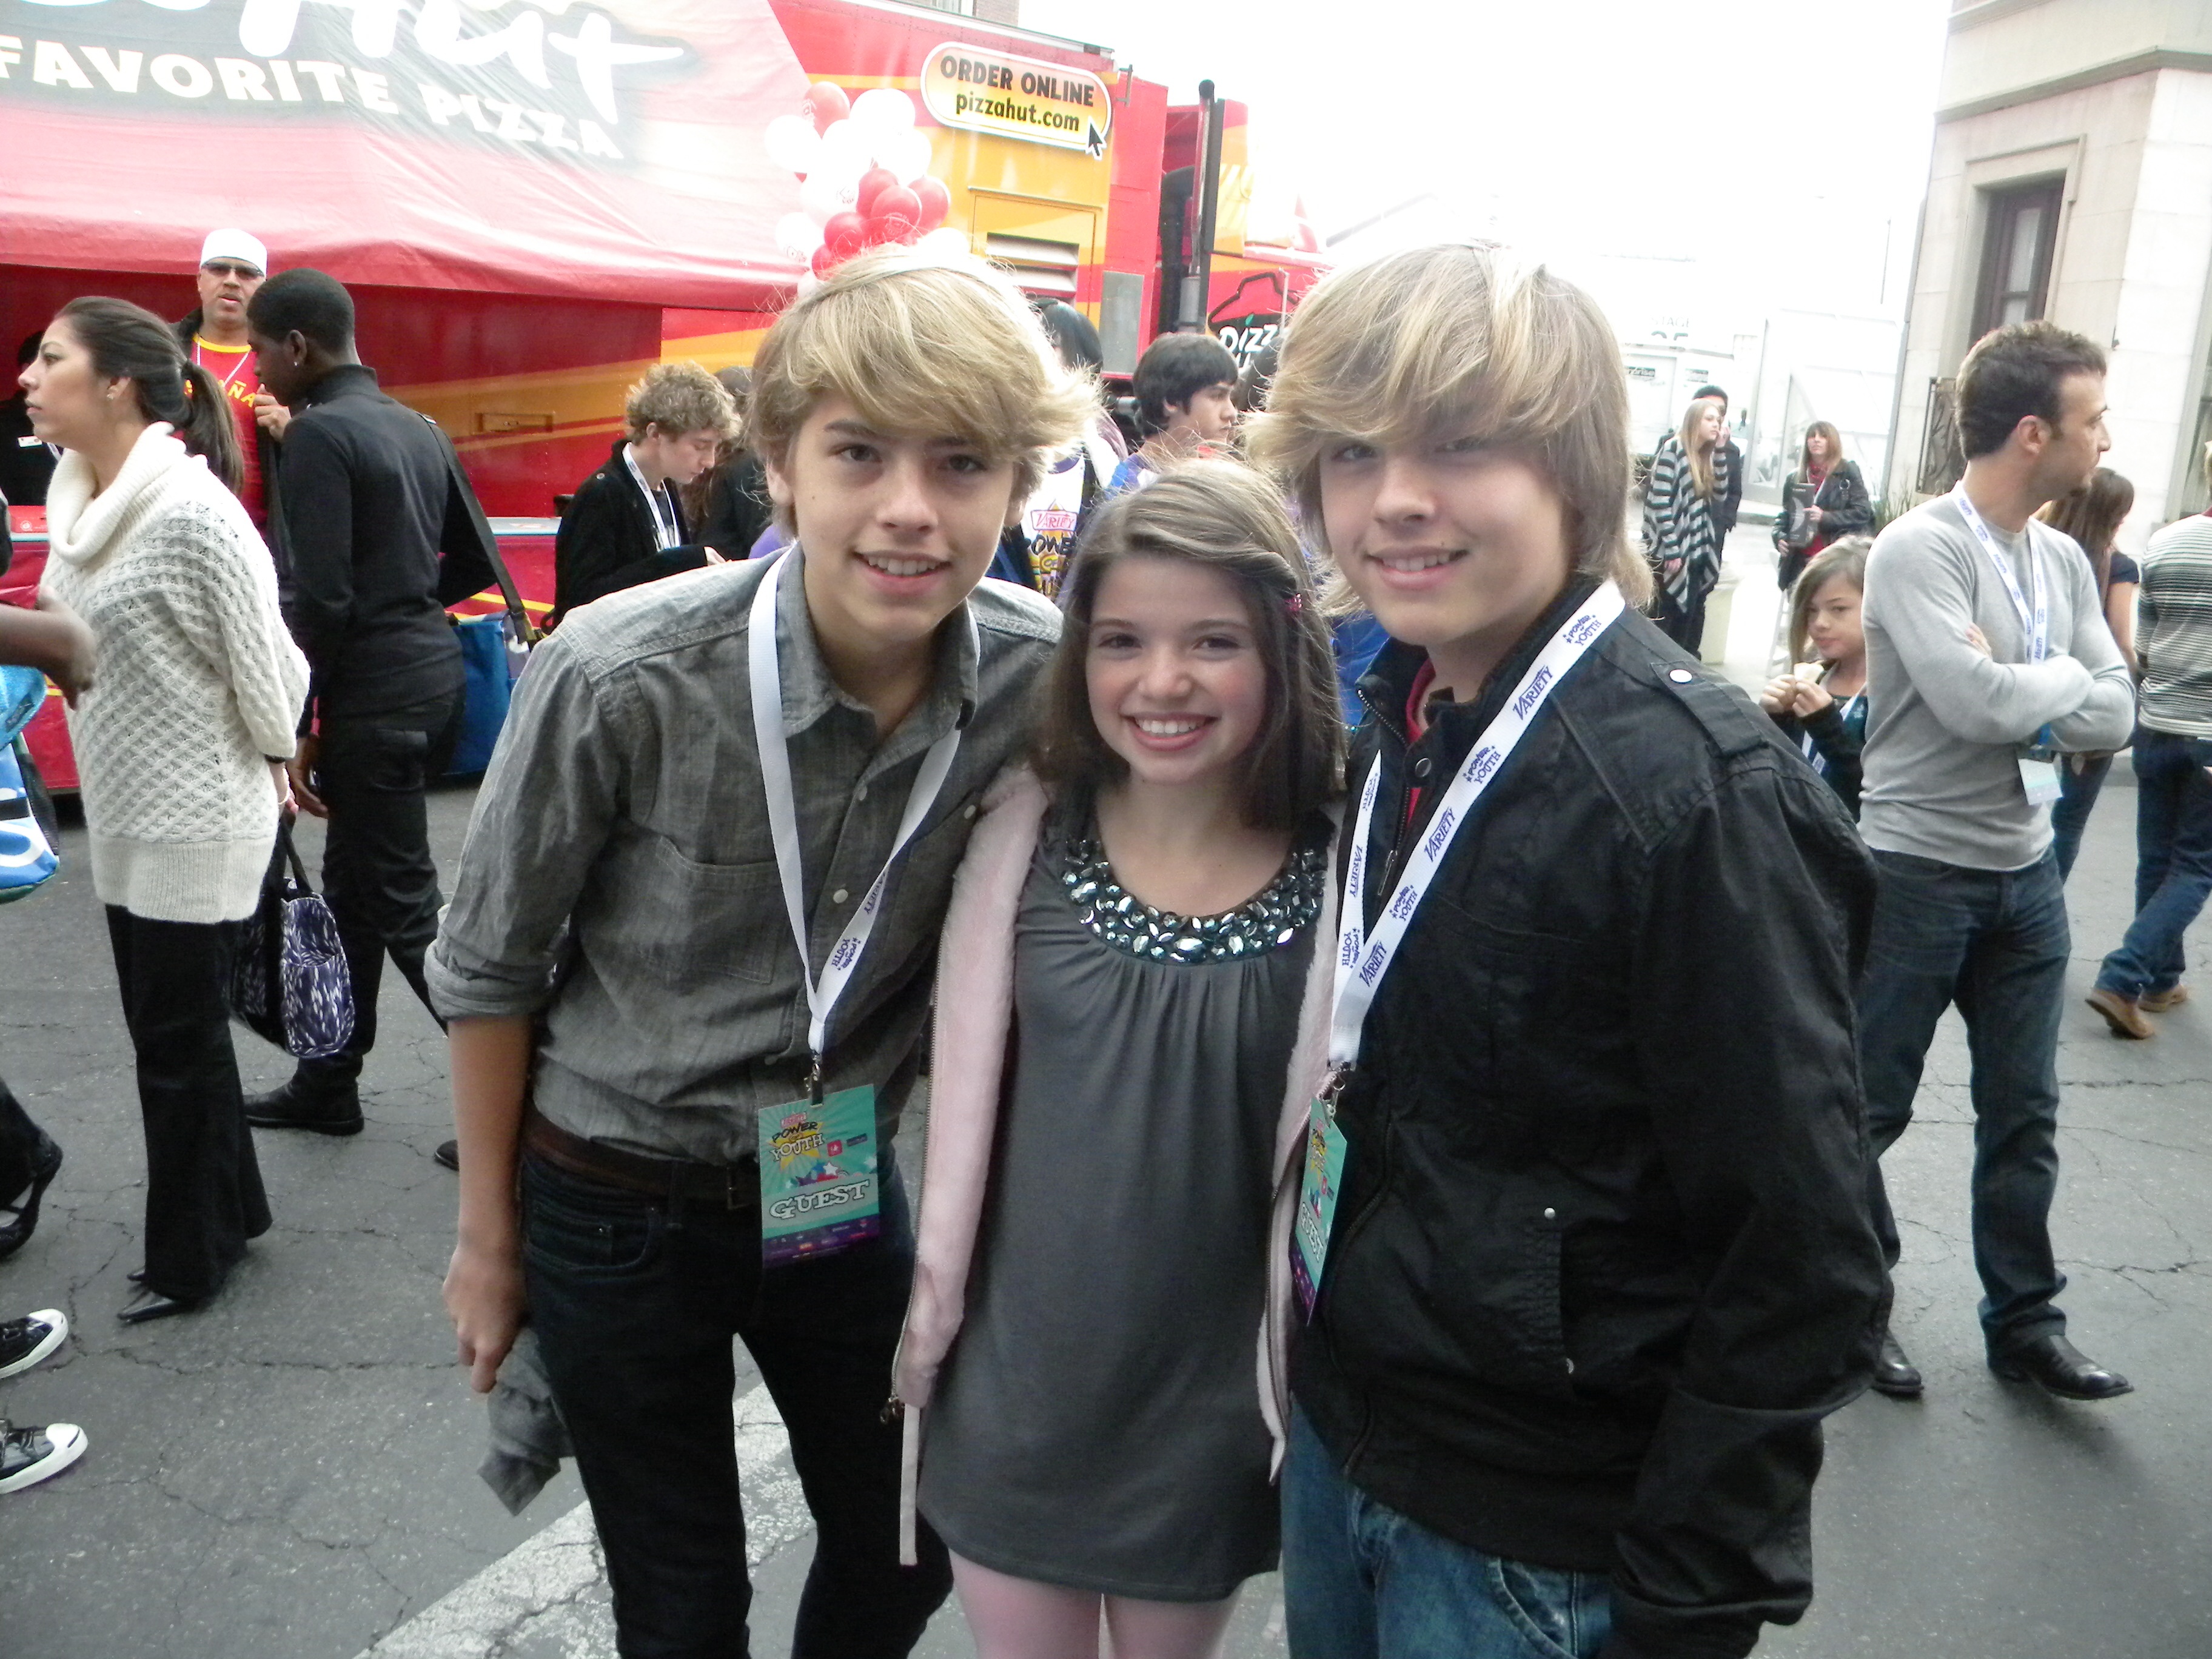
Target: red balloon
x: 936, y: 201
x: 898, y: 211
x: 825, y: 260
x: 874, y: 183
x: 845, y: 233
x: 826, y: 102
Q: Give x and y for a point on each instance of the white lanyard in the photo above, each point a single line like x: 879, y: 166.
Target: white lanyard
x: 761, y: 654
x: 1362, y: 962
x: 665, y: 533
x: 2034, y: 618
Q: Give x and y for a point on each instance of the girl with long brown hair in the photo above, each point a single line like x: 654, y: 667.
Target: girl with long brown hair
x: 1681, y: 537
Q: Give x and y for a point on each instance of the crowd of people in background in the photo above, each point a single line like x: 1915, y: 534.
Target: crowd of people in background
x: 1312, y: 1177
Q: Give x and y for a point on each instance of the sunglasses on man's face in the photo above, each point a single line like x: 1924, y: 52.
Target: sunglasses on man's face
x: 229, y: 268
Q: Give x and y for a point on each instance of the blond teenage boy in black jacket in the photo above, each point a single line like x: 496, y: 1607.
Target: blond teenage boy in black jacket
x: 1599, y: 1258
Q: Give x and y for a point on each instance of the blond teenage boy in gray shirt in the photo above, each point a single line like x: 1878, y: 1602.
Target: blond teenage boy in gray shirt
x: 1987, y: 654
x: 633, y: 1012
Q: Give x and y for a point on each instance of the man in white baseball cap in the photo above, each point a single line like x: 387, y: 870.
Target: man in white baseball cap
x: 232, y: 263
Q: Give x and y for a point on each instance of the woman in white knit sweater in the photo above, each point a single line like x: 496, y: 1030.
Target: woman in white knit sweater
x: 180, y: 746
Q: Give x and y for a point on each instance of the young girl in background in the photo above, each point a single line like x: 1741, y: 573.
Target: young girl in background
x: 1821, y: 704
x: 1130, y: 947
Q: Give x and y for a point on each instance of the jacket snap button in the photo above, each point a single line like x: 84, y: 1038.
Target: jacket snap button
x: 1421, y: 767
x: 838, y: 897
x: 860, y: 793
x: 1551, y: 1215
x: 968, y: 811
x: 1680, y: 676
x: 1571, y: 1368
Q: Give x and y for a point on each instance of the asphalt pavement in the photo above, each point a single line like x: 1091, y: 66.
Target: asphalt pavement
x: 290, y: 1474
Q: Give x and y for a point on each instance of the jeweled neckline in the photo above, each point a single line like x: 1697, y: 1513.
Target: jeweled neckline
x: 1267, y: 922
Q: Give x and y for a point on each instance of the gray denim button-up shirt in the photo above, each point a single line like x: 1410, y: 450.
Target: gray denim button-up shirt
x: 625, y: 802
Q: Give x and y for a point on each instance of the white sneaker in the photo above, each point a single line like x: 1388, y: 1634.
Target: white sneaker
x: 28, y: 1456
x: 24, y: 1342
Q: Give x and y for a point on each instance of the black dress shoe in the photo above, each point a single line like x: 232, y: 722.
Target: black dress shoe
x: 448, y: 1155
x: 328, y: 1108
x: 2059, y: 1368
x: 1893, y: 1374
x: 17, y: 1233
x: 148, y: 1303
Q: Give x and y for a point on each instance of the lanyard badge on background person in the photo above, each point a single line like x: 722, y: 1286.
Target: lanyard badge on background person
x: 2038, y: 769
x: 820, y: 1166
x: 1363, y: 959
x: 665, y: 535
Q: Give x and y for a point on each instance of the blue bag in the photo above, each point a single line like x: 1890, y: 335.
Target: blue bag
x: 290, y: 984
x: 487, y: 683
x: 27, y: 844
x: 22, y: 693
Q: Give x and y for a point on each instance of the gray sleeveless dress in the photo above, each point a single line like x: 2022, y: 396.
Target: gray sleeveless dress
x: 1097, y: 1422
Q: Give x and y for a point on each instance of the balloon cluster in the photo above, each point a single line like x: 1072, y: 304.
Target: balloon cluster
x: 864, y: 179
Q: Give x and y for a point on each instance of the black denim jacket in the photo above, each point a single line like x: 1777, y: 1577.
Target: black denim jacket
x: 1603, y: 1261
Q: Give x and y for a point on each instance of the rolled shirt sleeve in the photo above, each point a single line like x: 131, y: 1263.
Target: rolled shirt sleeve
x: 557, y: 782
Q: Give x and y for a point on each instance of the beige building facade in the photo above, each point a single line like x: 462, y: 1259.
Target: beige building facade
x: 2072, y: 180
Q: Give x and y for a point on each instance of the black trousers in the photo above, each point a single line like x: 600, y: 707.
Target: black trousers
x: 1686, y: 626
x: 378, y: 876
x: 203, y: 1194
x: 636, y: 1302
x: 25, y: 1148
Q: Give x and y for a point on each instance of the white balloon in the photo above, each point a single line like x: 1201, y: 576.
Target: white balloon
x: 906, y: 154
x: 884, y: 110
x: 845, y: 143
x: 822, y: 195
x: 797, y: 236
x: 807, y: 284
x: 792, y: 143
x: 944, y: 240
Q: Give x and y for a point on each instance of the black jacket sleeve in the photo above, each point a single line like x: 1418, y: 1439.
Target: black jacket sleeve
x: 1848, y: 510
x: 603, y: 546
x: 317, y: 506
x: 1763, y: 1142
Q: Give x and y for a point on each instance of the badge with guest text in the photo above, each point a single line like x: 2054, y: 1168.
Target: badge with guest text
x: 819, y: 1190
x: 1317, y: 1194
x: 2039, y: 778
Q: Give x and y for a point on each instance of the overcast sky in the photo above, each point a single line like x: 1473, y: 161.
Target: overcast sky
x: 1713, y: 160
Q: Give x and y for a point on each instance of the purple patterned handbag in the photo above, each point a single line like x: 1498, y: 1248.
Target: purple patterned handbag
x: 290, y: 983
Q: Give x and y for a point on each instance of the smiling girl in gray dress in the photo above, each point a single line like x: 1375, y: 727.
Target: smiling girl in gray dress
x: 1122, y: 973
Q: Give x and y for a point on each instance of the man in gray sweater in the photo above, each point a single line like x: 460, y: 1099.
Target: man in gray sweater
x: 1987, y: 655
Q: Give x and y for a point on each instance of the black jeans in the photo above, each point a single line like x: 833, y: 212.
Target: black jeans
x: 377, y: 870
x: 2079, y: 782
x: 636, y: 1302
x: 1685, y: 625
x: 203, y: 1194
x: 1995, y: 942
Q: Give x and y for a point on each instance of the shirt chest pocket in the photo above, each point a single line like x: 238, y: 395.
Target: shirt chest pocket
x: 693, y: 919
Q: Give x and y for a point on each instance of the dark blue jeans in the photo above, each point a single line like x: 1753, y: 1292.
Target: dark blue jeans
x: 1361, y: 1581
x: 2173, y: 862
x: 1995, y: 942
x: 637, y: 1302
x: 2077, y: 794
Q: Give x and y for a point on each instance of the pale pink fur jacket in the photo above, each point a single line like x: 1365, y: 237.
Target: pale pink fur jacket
x: 975, y: 1018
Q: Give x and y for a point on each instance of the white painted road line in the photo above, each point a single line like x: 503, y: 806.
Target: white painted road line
x: 547, y: 1589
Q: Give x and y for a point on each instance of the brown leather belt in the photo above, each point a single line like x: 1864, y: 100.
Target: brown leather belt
x: 732, y: 1186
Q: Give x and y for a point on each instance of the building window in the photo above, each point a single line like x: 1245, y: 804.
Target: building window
x: 2023, y: 231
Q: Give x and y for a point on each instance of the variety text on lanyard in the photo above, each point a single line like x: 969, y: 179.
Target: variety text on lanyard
x: 818, y: 1159
x: 1363, y: 959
